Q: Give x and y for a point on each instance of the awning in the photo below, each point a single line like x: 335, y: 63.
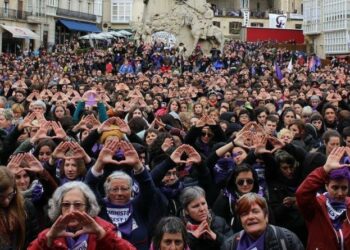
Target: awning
x: 20, y: 32
x: 80, y: 26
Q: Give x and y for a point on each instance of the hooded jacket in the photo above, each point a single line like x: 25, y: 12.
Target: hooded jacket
x: 322, y: 235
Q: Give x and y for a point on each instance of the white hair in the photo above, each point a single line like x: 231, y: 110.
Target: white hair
x: 92, y: 207
x: 117, y: 175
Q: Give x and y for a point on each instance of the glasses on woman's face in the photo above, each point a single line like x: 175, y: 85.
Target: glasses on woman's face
x: 116, y: 190
x: 241, y: 182
x: 204, y: 134
x: 76, y: 205
x: 9, y: 196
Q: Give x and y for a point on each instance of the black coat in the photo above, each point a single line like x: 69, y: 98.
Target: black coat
x: 276, y: 238
x: 220, y: 228
x: 32, y: 226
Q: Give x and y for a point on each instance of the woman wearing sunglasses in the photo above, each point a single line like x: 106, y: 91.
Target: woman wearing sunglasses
x: 242, y: 180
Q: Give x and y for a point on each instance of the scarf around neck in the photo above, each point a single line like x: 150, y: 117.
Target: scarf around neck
x: 222, y: 169
x: 336, y: 211
x: 121, y: 216
x: 79, y: 244
x: 247, y: 243
x: 172, y: 191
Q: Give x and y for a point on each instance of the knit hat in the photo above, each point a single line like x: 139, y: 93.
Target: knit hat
x: 114, y: 132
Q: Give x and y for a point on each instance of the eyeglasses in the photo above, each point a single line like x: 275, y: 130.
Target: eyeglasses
x: 224, y: 106
x: 242, y: 181
x: 207, y: 134
x: 119, y: 189
x: 76, y: 205
x: 9, y: 196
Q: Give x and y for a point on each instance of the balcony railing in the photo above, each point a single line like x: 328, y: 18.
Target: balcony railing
x: 76, y: 14
x: 13, y: 14
x: 238, y: 13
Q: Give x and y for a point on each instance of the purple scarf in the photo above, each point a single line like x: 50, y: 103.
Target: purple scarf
x: 121, y: 216
x: 247, y: 243
x: 80, y: 243
x: 119, y: 154
x: 336, y: 211
x: 64, y: 180
x: 222, y: 169
x: 172, y: 191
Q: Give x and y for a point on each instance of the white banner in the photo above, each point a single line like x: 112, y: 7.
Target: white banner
x: 278, y: 21
x: 167, y: 38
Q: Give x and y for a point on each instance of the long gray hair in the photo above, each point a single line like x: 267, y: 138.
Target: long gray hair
x: 92, y: 207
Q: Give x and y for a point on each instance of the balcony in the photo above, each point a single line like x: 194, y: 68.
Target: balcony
x: 6, y: 13
x: 75, y: 14
x: 238, y: 13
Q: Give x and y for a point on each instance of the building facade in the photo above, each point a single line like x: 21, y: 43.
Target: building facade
x: 230, y: 15
x: 326, y: 27
x: 46, y: 22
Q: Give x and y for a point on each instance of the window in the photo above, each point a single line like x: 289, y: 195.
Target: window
x: 217, y: 24
x: 53, y: 3
x: 298, y: 26
x: 30, y: 5
x: 121, y: 11
x: 257, y: 25
x: 6, y: 8
x: 235, y: 27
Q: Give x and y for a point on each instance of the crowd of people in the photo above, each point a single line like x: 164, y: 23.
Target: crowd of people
x: 142, y: 146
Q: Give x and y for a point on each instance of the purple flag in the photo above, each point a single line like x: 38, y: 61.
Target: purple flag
x: 278, y: 71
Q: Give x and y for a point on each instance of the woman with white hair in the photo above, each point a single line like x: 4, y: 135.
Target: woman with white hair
x: 73, y: 209
x: 132, y: 214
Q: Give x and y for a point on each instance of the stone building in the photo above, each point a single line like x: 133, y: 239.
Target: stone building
x: 230, y: 15
x: 32, y: 23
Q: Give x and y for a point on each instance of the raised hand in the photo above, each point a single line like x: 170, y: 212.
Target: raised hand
x: 107, y: 153
x: 276, y: 143
x: 200, y: 230
x: 27, y: 121
x: 42, y: 132
x: 201, y: 122
x: 210, y: 121
x: 91, y: 119
x: 130, y: 155
x: 60, y: 150
x: 14, y: 165
x: 168, y: 143
x: 88, y: 224
x: 123, y: 126
x: 81, y: 125
x: 245, y: 140
x: 58, y: 229
x: 193, y: 156
x: 107, y: 125
x: 59, y: 131
x: 78, y: 152
x: 33, y: 164
x: 176, y: 155
x: 334, y: 158
x: 260, y: 145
